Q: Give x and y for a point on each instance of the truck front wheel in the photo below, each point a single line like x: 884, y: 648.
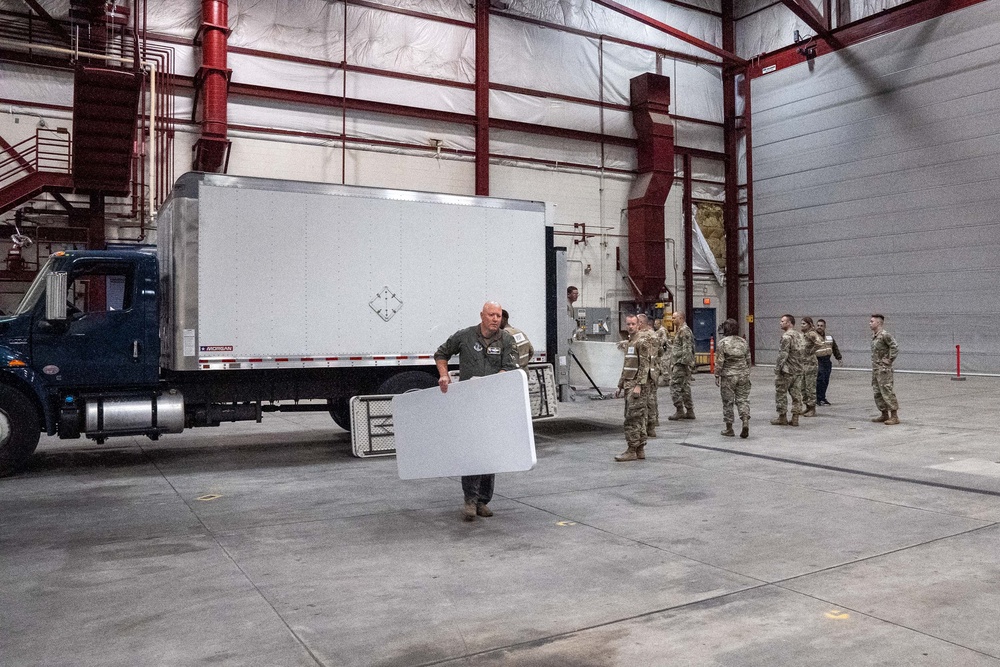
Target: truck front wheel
x: 19, y: 430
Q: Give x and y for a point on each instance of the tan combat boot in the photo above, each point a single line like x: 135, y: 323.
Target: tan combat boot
x: 729, y: 430
x: 781, y: 420
x: 640, y: 452
x: 469, y: 510
x: 746, y: 427
x: 483, y: 510
x: 689, y: 414
x: 893, y: 419
x: 794, y: 421
x: 677, y: 415
x: 650, y: 432
x: 882, y: 417
x: 628, y: 455
x: 810, y: 411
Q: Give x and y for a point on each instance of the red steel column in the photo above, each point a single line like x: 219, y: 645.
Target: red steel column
x: 730, y: 209
x: 751, y: 302
x: 211, y: 149
x: 482, y: 97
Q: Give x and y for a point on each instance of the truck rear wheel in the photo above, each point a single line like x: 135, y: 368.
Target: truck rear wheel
x: 19, y: 430
x: 400, y: 383
x: 340, y: 410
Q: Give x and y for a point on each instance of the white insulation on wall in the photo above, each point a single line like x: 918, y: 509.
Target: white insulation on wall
x: 877, y: 190
x: 299, y: 46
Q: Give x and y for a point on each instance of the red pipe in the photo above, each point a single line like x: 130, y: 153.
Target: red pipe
x: 650, y: 97
x: 482, y: 98
x: 211, y: 148
x: 958, y: 361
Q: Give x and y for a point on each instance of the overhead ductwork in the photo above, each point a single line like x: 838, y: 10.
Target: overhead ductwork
x: 650, y: 95
x: 211, y: 151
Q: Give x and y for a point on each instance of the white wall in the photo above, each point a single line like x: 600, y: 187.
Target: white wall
x: 877, y: 189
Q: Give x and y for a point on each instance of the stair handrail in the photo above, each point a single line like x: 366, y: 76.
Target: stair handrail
x: 49, y: 150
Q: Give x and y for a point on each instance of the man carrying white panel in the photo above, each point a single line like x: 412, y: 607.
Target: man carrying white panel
x: 482, y: 349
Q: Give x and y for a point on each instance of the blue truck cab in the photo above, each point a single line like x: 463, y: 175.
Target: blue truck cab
x: 87, y: 326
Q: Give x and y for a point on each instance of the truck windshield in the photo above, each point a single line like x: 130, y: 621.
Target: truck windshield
x: 36, y: 290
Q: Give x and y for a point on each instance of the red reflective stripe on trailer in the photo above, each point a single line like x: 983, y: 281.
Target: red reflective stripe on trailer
x: 355, y: 358
x: 402, y: 356
x: 307, y: 359
x: 378, y: 358
x: 281, y: 359
x: 227, y: 361
x: 424, y: 356
x: 332, y: 359
x: 255, y: 361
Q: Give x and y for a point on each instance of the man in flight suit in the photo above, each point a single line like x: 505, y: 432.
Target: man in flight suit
x: 482, y: 349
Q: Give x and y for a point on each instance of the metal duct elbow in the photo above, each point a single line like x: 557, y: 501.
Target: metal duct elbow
x: 650, y: 95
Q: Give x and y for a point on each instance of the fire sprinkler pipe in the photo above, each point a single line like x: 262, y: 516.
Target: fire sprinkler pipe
x: 149, y: 64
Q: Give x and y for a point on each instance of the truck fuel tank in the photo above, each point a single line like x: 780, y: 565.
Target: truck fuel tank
x: 148, y: 414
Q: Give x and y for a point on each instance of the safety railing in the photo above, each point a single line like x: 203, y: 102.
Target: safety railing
x: 49, y: 151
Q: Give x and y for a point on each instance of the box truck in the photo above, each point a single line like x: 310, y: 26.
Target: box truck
x: 264, y: 295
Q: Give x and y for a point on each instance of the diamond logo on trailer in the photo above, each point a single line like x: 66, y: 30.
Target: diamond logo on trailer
x: 386, y: 304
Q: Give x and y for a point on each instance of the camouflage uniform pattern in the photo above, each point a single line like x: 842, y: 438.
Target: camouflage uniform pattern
x: 525, y: 350
x: 788, y: 372
x: 665, y: 343
x: 810, y: 366
x: 636, y: 373
x: 681, y: 367
x: 884, y: 352
x: 652, y: 404
x: 732, y: 367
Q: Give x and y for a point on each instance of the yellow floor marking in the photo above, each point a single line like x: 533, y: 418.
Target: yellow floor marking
x: 565, y: 523
x: 837, y: 615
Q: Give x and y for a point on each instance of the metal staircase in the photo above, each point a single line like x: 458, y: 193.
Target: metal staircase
x: 36, y: 165
x: 105, y: 106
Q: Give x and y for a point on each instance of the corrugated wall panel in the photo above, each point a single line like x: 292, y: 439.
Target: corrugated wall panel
x: 877, y: 189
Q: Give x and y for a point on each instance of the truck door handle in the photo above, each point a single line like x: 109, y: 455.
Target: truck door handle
x: 135, y: 350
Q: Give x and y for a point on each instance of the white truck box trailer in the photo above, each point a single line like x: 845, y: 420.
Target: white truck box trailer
x: 262, y: 273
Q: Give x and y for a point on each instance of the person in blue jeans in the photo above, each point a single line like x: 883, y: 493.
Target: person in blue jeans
x: 825, y: 354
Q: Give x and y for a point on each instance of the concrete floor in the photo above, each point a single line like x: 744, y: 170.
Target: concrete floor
x: 841, y: 542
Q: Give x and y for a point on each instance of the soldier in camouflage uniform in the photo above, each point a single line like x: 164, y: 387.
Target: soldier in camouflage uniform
x: 635, y: 383
x: 525, y: 350
x: 788, y: 373
x: 812, y: 341
x: 884, y: 352
x: 732, y: 376
x: 664, y: 340
x: 681, y: 367
x: 652, y: 404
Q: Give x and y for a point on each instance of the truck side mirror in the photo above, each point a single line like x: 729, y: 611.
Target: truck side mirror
x: 55, y: 296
